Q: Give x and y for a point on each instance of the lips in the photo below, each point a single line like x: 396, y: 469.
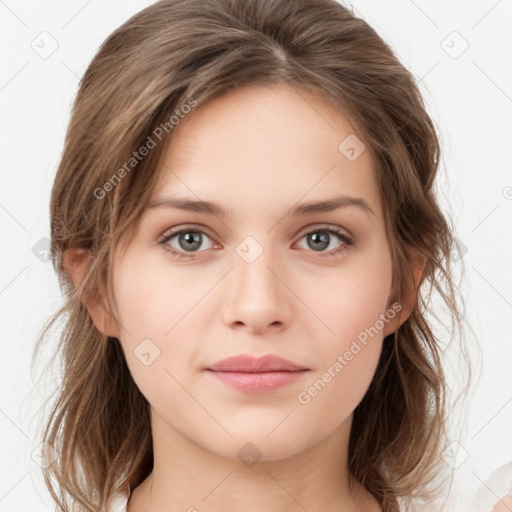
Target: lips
x: 250, y: 364
x: 249, y: 374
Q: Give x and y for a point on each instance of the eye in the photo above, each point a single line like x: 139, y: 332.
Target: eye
x: 321, y: 238
x: 188, y: 241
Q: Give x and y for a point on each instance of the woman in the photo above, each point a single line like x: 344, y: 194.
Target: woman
x: 253, y: 369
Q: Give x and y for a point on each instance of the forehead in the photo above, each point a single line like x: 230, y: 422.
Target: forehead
x: 261, y: 145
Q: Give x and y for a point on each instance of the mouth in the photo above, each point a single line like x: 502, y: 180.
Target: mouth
x: 252, y: 374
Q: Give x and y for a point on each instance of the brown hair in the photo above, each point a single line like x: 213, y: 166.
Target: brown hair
x: 165, y: 57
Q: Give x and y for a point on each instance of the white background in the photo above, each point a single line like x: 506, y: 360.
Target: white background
x: 469, y: 98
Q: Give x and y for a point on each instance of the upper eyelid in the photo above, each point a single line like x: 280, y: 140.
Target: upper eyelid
x: 174, y: 231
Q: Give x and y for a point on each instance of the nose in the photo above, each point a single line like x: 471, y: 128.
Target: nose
x: 258, y: 297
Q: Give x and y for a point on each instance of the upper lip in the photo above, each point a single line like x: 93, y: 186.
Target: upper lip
x: 250, y: 364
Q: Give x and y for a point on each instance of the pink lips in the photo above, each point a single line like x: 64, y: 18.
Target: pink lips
x: 256, y: 375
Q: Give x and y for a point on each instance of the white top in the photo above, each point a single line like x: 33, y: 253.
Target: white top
x: 497, y: 488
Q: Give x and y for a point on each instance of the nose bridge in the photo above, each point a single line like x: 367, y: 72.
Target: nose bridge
x: 257, y: 298
x: 252, y: 267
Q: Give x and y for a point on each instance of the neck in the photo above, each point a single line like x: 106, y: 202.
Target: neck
x: 189, y: 477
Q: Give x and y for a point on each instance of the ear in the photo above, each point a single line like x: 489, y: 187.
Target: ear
x: 76, y: 262
x: 418, y: 265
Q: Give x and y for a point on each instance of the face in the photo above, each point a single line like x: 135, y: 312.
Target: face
x: 263, y: 276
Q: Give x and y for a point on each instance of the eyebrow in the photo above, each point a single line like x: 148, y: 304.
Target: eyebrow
x: 210, y: 208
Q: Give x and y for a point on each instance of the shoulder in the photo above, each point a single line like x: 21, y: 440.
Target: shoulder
x: 495, y: 494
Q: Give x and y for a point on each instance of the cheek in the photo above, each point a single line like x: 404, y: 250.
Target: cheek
x: 151, y: 298
x: 153, y: 304
x: 353, y: 297
x: 348, y: 354
x: 354, y: 310
x: 335, y: 391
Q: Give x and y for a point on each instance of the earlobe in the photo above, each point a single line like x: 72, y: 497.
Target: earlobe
x: 76, y: 262
x: 418, y: 262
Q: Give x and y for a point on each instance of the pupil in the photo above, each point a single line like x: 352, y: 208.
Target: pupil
x: 192, y: 239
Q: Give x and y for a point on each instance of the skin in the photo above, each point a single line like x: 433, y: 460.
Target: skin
x: 257, y: 151
x: 504, y: 505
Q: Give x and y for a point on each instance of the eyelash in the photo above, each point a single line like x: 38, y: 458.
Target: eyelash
x: 345, y: 247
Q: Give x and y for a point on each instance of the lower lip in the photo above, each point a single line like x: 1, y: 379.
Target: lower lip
x: 262, y: 382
